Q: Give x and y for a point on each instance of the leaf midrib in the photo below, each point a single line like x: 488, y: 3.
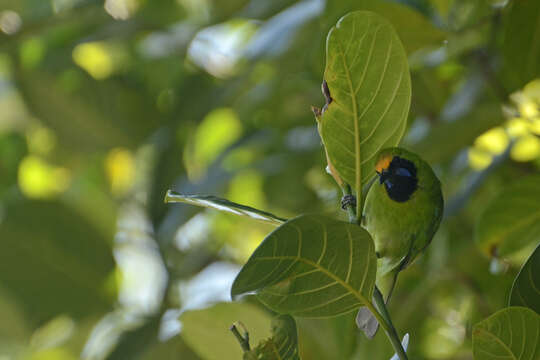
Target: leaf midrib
x: 356, y: 293
x: 356, y: 130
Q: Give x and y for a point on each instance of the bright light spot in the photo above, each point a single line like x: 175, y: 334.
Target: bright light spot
x: 40, y: 140
x: 534, y: 126
x: 10, y: 22
x: 53, y: 333
x: 532, y: 90
x: 479, y: 159
x: 528, y: 109
x: 121, y: 9
x: 120, y: 167
x: 211, y: 285
x: 247, y: 188
x: 526, y: 148
x: 218, y: 49
x: 53, y: 354
x: 193, y: 233
x: 32, y: 52
x: 94, y: 58
x: 494, y: 140
x: 143, y: 275
x: 218, y: 130
x: 517, y: 127
x: 37, y: 179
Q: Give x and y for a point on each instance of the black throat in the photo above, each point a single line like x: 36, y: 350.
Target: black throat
x: 399, y: 179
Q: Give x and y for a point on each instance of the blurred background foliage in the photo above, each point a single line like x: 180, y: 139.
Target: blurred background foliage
x: 104, y: 105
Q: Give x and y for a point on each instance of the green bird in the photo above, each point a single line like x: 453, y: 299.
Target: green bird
x: 402, y: 212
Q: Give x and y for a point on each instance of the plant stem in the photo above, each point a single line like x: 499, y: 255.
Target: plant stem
x: 383, y: 317
x: 389, y: 329
x: 244, y: 341
x: 351, y: 209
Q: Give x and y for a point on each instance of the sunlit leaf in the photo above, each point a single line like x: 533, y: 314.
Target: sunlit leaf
x: 369, y: 83
x: 311, y: 266
x: 526, y: 288
x: 511, y: 333
x: 512, y: 220
x: 220, y: 204
x: 283, y: 345
x: 207, y: 331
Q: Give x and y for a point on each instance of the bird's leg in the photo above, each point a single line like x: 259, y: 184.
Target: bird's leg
x: 348, y: 200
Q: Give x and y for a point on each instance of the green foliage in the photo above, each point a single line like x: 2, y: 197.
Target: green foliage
x: 369, y: 84
x: 69, y: 258
x: 207, y: 331
x: 311, y: 266
x: 525, y: 290
x: 283, y: 345
x: 511, y: 333
x: 512, y: 220
x: 103, y: 108
x: 521, y: 49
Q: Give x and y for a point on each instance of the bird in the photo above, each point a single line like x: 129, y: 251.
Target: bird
x: 402, y: 212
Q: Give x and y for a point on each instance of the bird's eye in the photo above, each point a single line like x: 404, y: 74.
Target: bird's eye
x: 403, y: 172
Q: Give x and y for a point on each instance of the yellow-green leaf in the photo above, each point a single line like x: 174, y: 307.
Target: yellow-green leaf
x: 370, y: 88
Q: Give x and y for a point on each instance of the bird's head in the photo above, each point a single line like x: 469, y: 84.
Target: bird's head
x: 398, y: 174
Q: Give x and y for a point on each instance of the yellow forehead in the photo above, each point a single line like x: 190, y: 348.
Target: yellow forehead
x: 383, y: 163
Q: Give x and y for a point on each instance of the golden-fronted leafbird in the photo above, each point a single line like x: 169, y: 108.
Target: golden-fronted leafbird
x: 402, y: 211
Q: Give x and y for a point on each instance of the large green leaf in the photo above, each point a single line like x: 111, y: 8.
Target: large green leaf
x: 283, y: 345
x: 311, y: 266
x: 207, y: 331
x: 225, y: 205
x: 521, y: 46
x: 511, y: 333
x: 526, y: 288
x: 370, y: 87
x: 53, y: 261
x: 512, y: 220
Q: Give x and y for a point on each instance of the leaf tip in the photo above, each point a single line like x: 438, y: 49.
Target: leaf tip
x: 168, y: 196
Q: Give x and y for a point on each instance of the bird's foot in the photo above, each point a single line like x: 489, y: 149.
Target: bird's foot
x: 348, y: 200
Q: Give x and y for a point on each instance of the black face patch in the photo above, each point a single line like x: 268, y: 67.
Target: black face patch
x: 399, y: 179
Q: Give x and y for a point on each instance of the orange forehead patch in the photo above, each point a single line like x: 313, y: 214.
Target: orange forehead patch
x: 383, y: 163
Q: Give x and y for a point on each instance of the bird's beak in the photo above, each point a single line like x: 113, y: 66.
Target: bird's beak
x: 383, y: 176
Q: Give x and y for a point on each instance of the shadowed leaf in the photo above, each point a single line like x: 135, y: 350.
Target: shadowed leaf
x: 283, y: 345
x: 512, y: 220
x: 511, y: 333
x: 311, y: 266
x: 526, y: 288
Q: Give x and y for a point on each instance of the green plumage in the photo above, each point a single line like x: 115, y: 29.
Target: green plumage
x: 401, y: 230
